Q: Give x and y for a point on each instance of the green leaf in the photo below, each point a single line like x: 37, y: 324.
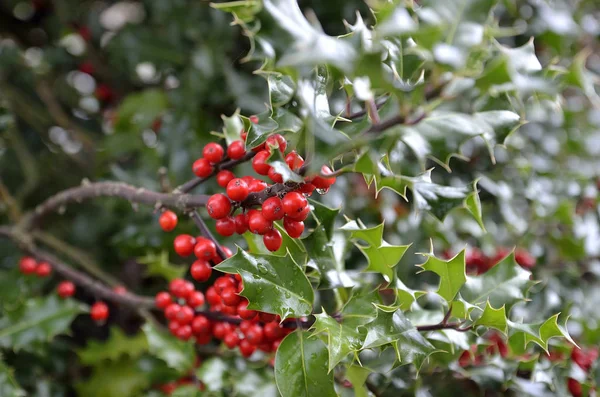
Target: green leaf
x: 381, y: 256
x: 438, y: 200
x: 358, y: 376
x: 113, y: 348
x: 392, y: 327
x: 212, y: 373
x: 186, y: 391
x: 301, y: 367
x: 405, y: 296
x: 325, y: 216
x: 260, y: 131
x: 244, y: 10
x: 504, y: 284
x: 178, y: 354
x: 321, y: 256
x: 579, y: 76
x: 343, y: 337
x: 159, y: 265
x: 116, y: 379
x: 521, y: 335
x: 232, y: 126
x: 272, y: 284
x: 452, y: 273
x: 38, y: 322
x: 493, y: 318
x: 473, y: 204
x: 8, y: 384
x: 281, y: 89
x: 139, y: 110
x: 309, y: 47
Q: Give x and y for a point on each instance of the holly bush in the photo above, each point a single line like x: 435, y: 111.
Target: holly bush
x: 299, y: 198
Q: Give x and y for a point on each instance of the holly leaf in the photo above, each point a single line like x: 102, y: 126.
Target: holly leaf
x: 321, y: 256
x: 118, y: 344
x: 521, y: 335
x: 452, y: 273
x: 343, y: 337
x: 472, y: 204
x: 38, y: 322
x: 358, y: 376
x: 178, y: 354
x: 325, y: 216
x: 504, y: 284
x: 159, y: 265
x: 281, y: 89
x: 405, y: 296
x: 381, y: 256
x: 260, y: 131
x: 8, y: 384
x: 392, y: 327
x: 301, y: 367
x: 244, y: 10
x: 288, y: 244
x: 272, y: 284
x: 139, y: 110
x: 493, y: 318
x: 212, y: 373
x: 116, y: 379
x: 232, y: 126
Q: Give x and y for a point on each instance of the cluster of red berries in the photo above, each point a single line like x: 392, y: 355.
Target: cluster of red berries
x: 291, y: 207
x: 28, y: 265
x: 478, y: 263
x: 585, y: 359
x: 243, y: 328
x: 65, y: 289
x: 472, y: 357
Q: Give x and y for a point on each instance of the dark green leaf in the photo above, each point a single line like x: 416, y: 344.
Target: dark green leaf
x: 113, y: 348
x: 452, y: 274
x: 177, y: 354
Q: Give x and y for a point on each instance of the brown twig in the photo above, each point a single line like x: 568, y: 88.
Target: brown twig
x: 182, y: 202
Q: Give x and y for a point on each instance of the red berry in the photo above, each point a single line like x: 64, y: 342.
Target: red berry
x: 524, y: 259
x: 173, y: 327
x: 86, y: 67
x: 205, y: 249
x: 162, y: 300
x: 223, y: 283
x: 202, y: 168
x: 293, y: 228
x: 167, y: 221
x: 220, y: 330
x: 259, y: 162
x: 236, y: 150
x: 272, y: 209
x: 180, y: 288
x: 213, y: 152
x: 237, y: 189
x: 119, y: 289
x: 43, y: 269
x: 246, y: 348
x: 184, y: 245
x: 321, y: 182
x: 229, y: 310
x: 307, y: 188
x: 275, y: 177
x: 185, y: 315
x: 203, y: 339
x: 212, y: 296
x: 228, y: 253
x: 172, y: 310
x: 257, y: 186
x: 272, y: 240
x: 65, y: 289
x: 104, y: 93
x: 225, y: 227
x: 195, y: 299
x: 258, y: 224
x: 294, y: 204
x: 245, y: 326
x: 273, y: 331
x: 200, y: 325
x: 253, y: 119
x: 241, y: 223
x: 300, y: 216
x: 27, y: 265
x: 218, y: 205
x: 255, y: 335
x: 230, y: 297
x: 244, y: 312
x: 231, y: 340
x: 574, y: 387
x: 294, y: 160
x: 223, y: 177
x: 184, y: 332
x: 243, y: 135
x: 277, y: 140
x: 99, y: 311
x: 201, y: 270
